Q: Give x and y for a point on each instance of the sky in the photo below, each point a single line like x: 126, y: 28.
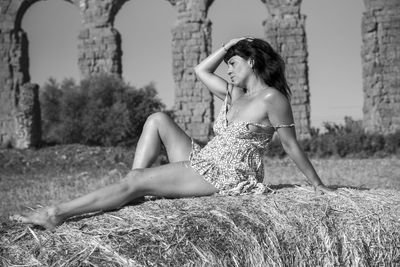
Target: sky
x: 333, y: 29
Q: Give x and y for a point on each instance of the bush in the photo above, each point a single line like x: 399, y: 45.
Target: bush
x: 348, y: 140
x: 102, y: 110
x: 392, y: 143
x: 50, y: 99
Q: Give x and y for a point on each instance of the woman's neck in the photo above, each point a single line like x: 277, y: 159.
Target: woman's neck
x: 255, y: 85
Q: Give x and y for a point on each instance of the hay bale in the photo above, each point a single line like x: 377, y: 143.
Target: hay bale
x: 290, y: 227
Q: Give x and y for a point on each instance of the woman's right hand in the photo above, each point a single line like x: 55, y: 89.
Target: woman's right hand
x: 322, y: 189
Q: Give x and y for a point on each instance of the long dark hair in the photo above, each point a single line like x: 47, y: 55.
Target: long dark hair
x: 268, y: 64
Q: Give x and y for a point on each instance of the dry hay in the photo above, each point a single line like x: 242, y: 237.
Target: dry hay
x: 290, y: 227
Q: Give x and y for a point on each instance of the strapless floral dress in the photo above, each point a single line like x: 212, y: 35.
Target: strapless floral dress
x: 232, y: 161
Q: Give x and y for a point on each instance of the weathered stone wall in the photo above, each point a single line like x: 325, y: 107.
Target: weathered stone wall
x: 381, y: 65
x: 99, y: 42
x: 191, y: 43
x: 285, y: 31
x: 14, y: 68
x: 100, y: 51
x: 27, y: 117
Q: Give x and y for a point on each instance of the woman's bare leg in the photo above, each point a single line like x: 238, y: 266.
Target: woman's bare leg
x: 158, y: 129
x: 171, y: 180
x: 161, y: 129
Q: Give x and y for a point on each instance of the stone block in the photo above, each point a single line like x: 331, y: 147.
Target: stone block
x: 197, y: 118
x: 84, y: 34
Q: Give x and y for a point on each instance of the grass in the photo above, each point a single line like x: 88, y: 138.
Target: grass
x: 292, y: 226
x: 31, y: 177
x: 372, y: 173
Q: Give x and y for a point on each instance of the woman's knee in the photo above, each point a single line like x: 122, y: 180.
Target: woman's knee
x: 135, y: 180
x: 143, y: 181
x: 139, y: 182
x: 157, y: 119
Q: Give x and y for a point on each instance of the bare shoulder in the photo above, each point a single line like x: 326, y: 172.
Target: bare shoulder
x: 278, y: 107
x: 275, y: 100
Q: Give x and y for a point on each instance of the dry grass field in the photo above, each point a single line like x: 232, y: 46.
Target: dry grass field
x: 358, y: 225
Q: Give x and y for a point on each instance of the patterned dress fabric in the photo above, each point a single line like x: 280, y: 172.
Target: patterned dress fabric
x: 233, y: 160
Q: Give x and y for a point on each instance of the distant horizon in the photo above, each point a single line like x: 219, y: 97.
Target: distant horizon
x: 334, y: 46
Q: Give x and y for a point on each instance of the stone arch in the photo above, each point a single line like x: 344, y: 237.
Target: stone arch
x: 100, y: 51
x: 24, y: 6
x: 194, y: 105
x: 334, y: 60
x: 146, y: 40
x: 52, y: 27
x: 20, y: 111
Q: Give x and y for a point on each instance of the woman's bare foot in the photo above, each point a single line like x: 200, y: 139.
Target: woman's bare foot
x: 46, y: 217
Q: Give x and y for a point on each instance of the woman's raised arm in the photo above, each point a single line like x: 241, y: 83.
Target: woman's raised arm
x: 206, y: 68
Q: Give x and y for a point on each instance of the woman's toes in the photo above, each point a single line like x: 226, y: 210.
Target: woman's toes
x: 44, y: 217
x: 18, y: 218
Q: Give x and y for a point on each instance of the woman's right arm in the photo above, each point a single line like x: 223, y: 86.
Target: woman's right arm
x: 206, y: 68
x: 205, y: 72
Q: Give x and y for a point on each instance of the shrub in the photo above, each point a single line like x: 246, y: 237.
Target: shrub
x: 348, y: 140
x: 55, y: 125
x: 102, y: 110
x: 392, y: 143
x: 142, y: 103
x: 105, y: 120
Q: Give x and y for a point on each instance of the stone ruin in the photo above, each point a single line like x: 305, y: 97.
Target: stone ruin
x: 100, y: 51
x: 381, y: 65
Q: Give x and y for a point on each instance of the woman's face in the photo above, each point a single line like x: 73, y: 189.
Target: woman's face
x: 239, y: 70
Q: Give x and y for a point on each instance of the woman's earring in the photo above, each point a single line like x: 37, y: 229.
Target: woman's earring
x: 252, y: 64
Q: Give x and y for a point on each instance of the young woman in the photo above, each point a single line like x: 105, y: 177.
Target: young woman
x: 256, y: 105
